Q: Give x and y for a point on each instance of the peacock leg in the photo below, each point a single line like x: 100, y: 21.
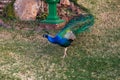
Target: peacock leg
x: 65, y: 52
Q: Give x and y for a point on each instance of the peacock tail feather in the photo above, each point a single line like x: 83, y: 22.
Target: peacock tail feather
x: 77, y: 25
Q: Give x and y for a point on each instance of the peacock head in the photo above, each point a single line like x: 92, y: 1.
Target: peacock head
x: 50, y: 38
x: 45, y: 35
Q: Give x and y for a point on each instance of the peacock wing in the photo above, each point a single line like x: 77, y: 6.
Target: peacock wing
x: 70, y: 35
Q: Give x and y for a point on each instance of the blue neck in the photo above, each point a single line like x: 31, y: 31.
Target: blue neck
x: 50, y: 39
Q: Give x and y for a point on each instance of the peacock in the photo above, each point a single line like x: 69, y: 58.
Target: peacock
x: 71, y: 30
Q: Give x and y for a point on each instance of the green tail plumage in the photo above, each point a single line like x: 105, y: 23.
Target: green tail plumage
x: 83, y: 25
x: 78, y: 24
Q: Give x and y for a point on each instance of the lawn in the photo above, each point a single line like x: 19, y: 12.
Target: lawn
x: 94, y: 55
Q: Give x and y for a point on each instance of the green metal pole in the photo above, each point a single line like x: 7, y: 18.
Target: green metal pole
x: 52, y: 17
x: 52, y: 12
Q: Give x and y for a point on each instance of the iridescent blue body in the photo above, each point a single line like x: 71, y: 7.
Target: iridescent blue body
x: 75, y: 26
x: 59, y: 40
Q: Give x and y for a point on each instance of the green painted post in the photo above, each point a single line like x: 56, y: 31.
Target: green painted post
x: 52, y: 12
x: 52, y: 17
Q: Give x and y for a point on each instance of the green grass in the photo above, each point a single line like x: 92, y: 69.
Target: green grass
x: 94, y: 55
